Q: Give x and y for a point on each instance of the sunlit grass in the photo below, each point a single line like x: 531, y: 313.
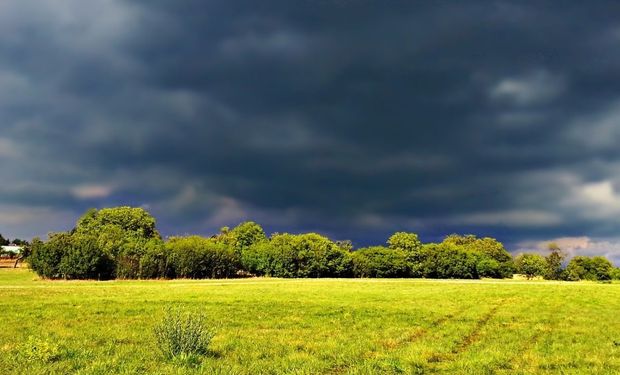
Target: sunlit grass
x: 313, y: 326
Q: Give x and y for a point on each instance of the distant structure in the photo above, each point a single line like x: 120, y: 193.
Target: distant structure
x: 12, y: 248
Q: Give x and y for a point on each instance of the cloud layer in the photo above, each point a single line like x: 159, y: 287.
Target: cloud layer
x: 351, y: 118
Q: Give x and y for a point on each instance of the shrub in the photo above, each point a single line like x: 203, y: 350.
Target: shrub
x: 298, y: 255
x: 40, y: 350
x: 83, y: 259
x: 488, y: 267
x: 155, y: 261
x: 442, y: 261
x: 197, y: 257
x: 531, y: 265
x: 183, y: 333
x: 379, y: 261
x: 46, y: 257
x: 586, y: 268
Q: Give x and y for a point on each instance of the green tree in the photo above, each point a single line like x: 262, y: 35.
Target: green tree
x: 404, y: 241
x: 444, y: 261
x: 197, y: 257
x: 245, y: 235
x: 298, y: 255
x: 82, y: 258
x: 554, y: 262
x: 531, y: 265
x: 46, y: 257
x: 585, y: 268
x: 379, y: 261
x: 155, y: 262
x: 494, y: 260
x: 133, y: 221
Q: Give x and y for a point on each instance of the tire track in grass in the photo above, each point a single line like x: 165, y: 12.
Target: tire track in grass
x: 462, y: 345
x: 408, y: 339
x: 519, y: 359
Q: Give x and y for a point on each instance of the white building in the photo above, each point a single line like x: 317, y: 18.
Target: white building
x: 12, y: 249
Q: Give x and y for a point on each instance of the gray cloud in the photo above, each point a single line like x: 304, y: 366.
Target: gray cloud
x: 351, y: 118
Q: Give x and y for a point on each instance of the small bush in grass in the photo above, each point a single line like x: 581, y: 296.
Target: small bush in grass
x: 183, y: 333
x: 40, y: 350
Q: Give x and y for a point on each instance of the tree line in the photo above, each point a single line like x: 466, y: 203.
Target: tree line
x: 123, y: 242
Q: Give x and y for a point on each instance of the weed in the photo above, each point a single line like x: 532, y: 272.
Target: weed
x: 41, y: 350
x: 183, y: 333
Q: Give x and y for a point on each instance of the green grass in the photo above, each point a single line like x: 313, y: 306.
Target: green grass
x: 315, y: 326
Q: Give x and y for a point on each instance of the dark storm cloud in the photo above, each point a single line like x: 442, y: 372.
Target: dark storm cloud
x: 354, y: 118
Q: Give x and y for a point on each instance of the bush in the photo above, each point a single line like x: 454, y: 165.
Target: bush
x: 441, y: 261
x: 488, y: 267
x: 197, y: 258
x: 183, y: 333
x: 40, y: 350
x: 586, y: 268
x: 83, y: 259
x: 531, y: 265
x: 379, y: 261
x: 155, y: 261
x: 46, y: 257
x: 301, y: 255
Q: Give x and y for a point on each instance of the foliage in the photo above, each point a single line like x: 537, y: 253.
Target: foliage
x: 379, y: 261
x: 554, y: 262
x: 155, y: 261
x: 245, y: 235
x: 40, y: 350
x: 531, y: 265
x: 197, y: 257
x: 181, y: 332
x: 46, y: 257
x: 83, y: 259
x: 301, y: 255
x: 494, y: 260
x: 404, y: 241
x: 442, y: 261
x: 123, y: 243
x: 586, y: 268
x: 134, y: 221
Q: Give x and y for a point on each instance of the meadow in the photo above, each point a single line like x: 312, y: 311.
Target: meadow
x: 313, y: 326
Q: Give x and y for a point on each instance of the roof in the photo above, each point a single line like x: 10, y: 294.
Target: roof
x: 12, y: 249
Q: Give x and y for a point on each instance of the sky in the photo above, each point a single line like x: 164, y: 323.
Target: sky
x: 352, y: 118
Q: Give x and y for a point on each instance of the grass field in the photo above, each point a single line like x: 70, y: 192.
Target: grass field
x: 315, y: 326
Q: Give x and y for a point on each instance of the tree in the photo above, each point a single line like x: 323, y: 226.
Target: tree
x: 298, y: 255
x: 404, y: 241
x: 554, y: 262
x: 494, y: 260
x: 132, y: 221
x: 155, y: 262
x: 82, y: 258
x: 46, y: 257
x: 586, y: 268
x: 245, y: 235
x: 443, y: 261
x: 379, y: 261
x: 531, y: 265
x: 3, y: 241
x: 197, y: 257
